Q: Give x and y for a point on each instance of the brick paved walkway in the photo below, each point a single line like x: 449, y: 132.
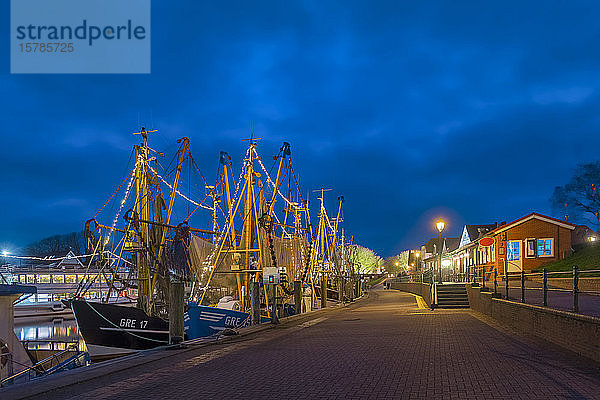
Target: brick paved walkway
x: 383, y: 347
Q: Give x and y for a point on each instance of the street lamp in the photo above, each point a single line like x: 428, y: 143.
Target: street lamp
x: 440, y: 227
x: 417, y: 255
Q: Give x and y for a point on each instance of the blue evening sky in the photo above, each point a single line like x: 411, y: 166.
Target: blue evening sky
x: 470, y: 110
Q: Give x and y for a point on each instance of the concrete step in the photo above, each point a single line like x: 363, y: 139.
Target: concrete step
x: 452, y: 296
x: 453, y: 301
x: 453, y: 306
x: 452, y: 293
x: 447, y: 297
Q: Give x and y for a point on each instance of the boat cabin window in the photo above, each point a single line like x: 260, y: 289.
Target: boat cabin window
x: 22, y: 279
x: 58, y: 278
x: 44, y: 297
x: 43, y: 278
x: 70, y: 279
x: 30, y: 278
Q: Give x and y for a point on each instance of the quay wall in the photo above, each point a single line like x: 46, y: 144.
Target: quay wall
x: 578, y: 333
x: 418, y: 288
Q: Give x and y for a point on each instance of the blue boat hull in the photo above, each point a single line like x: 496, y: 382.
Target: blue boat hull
x: 203, y: 321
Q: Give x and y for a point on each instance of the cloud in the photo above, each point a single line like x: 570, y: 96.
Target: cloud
x: 478, y: 109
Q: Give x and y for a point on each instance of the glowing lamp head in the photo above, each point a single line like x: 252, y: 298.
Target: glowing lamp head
x: 440, y: 225
x: 592, y: 238
x: 418, y: 254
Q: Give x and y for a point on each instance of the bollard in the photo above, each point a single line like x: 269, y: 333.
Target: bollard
x: 274, y: 318
x: 545, y: 283
x: 506, y: 279
x: 323, y: 290
x: 576, y: 288
x: 176, y: 329
x: 255, y: 302
x: 495, y: 281
x: 298, y: 296
x: 522, y: 285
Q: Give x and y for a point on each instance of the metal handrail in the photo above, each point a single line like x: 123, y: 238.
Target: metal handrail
x: 487, y: 276
x: 37, y: 367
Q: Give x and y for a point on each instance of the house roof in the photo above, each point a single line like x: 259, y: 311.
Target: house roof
x: 70, y: 261
x: 477, y: 231
x: 430, y: 243
x: 452, y: 244
x: 531, y: 216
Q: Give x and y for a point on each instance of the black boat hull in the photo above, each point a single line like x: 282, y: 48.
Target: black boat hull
x: 111, y: 331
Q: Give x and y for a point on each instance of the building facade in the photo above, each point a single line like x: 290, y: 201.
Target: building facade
x: 529, y: 242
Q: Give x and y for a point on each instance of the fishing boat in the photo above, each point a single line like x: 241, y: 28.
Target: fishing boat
x: 221, y: 267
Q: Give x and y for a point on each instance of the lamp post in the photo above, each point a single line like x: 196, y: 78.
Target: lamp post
x: 418, y: 262
x: 440, y: 227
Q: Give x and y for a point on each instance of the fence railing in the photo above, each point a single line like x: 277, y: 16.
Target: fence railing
x: 41, y: 367
x: 562, y: 288
x: 422, y: 277
x: 556, y: 289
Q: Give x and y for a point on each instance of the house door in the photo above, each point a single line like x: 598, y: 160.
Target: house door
x: 514, y: 256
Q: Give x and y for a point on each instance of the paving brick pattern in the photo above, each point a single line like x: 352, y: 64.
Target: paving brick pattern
x: 384, y: 347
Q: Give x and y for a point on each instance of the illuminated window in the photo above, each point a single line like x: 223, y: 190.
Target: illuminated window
x: 43, y: 297
x: 58, y: 278
x: 513, y: 252
x: 30, y: 278
x: 43, y: 278
x: 530, y: 247
x: 80, y: 278
x: 22, y: 279
x: 545, y: 247
x: 70, y: 279
x: 29, y: 299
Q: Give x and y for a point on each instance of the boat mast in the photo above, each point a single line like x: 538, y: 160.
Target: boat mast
x: 142, y: 208
x: 248, y: 221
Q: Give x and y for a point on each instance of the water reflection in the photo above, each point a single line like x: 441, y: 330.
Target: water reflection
x: 48, y: 333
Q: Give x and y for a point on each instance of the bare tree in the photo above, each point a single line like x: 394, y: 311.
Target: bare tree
x: 56, y: 245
